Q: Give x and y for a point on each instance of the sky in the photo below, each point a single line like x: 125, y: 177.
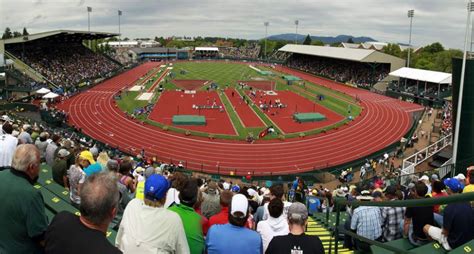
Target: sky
x: 435, y: 20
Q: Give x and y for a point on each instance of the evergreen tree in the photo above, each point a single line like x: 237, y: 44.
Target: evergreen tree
x: 307, y: 40
x: 350, y: 40
x: 25, y: 32
x: 7, y: 34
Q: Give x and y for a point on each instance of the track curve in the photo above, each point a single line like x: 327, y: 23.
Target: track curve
x: 382, y: 122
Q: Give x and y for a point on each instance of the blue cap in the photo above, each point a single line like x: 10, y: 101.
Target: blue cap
x: 156, y: 187
x: 235, y: 188
x: 453, y: 184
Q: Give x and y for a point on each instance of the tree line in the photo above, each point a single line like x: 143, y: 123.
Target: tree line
x: 8, y: 34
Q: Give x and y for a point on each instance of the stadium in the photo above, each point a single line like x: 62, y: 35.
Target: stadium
x: 342, y: 145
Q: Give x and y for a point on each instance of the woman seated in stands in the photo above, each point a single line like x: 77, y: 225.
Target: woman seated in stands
x: 126, y: 178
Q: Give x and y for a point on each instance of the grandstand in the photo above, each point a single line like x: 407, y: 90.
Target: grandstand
x: 359, y: 67
x: 206, y: 53
x: 158, y: 54
x: 60, y: 59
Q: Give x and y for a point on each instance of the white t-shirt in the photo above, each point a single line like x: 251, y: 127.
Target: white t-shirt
x: 8, y: 145
x: 266, y: 213
x: 150, y: 230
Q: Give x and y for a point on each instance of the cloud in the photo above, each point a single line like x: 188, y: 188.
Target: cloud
x: 435, y: 20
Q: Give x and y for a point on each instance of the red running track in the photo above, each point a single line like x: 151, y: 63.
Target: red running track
x: 383, y: 122
x: 178, y: 103
x: 248, y: 117
x: 283, y: 117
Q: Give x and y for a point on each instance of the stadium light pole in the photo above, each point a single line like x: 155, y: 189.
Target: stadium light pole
x: 89, y: 10
x: 296, y: 33
x: 120, y: 35
x: 470, y: 8
x: 266, y: 24
x: 411, y: 14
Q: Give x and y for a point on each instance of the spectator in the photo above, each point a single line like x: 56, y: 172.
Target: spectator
x: 8, y: 144
x: 296, y: 241
x: 274, y: 225
x: 300, y: 191
x: 69, y: 233
x: 258, y: 216
x: 76, y: 178
x: 191, y: 220
x: 276, y: 191
x: 178, y: 180
x: 59, y: 169
x: 41, y: 143
x: 51, y: 149
x: 438, y: 191
x: 88, y: 163
x: 424, y: 179
x: 150, y: 224
x: 125, y: 177
x: 223, y: 216
x: 223, y: 238
x: 210, y: 205
x: 457, y: 221
x: 366, y: 221
x: 417, y: 217
x: 23, y: 219
x: 392, y: 217
x: 25, y: 135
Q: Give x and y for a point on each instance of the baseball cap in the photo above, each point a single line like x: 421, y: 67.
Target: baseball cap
x: 156, y: 187
x: 297, y: 211
x: 6, y: 118
x: 235, y: 188
x: 434, y: 177
x: 63, y: 153
x: 453, y: 184
x: 239, y: 204
x: 88, y: 156
x: 461, y: 177
x: 226, y: 185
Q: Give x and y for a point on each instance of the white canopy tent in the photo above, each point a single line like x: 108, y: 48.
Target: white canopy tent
x: 50, y: 95
x: 426, y: 76
x: 43, y: 91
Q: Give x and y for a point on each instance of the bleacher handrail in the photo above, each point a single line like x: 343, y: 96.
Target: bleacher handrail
x: 338, y: 203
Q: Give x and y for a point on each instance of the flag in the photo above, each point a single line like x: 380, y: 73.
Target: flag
x: 89, y: 9
x: 120, y: 13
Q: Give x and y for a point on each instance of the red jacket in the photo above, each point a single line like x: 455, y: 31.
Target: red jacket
x: 221, y: 218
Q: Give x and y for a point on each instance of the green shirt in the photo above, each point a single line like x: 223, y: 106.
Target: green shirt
x: 22, y: 216
x: 192, y: 227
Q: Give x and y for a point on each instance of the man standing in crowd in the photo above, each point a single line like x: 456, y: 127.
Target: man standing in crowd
x: 59, y: 169
x: 234, y: 237
x: 296, y: 241
x: 457, y: 221
x: 23, y: 219
x: 276, y: 191
x: 274, y: 225
x: 148, y: 223
x: 25, y: 135
x: 210, y: 204
x: 51, y: 149
x: 191, y: 220
x: 69, y: 233
x: 417, y: 217
x: 8, y: 144
x: 223, y: 216
x: 42, y: 143
x: 392, y: 217
x: 367, y: 222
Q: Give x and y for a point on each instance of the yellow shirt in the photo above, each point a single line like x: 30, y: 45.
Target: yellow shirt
x: 468, y: 188
x: 140, y: 191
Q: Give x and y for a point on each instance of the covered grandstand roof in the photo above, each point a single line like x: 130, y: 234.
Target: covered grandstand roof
x: 352, y: 54
x: 61, y: 36
x: 423, y: 75
x: 155, y: 50
x: 206, y: 49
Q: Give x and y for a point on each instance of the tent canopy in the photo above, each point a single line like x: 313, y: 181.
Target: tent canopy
x: 43, y: 91
x: 50, y: 95
x: 423, y: 75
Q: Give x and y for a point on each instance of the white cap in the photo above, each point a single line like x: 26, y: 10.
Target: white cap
x: 226, y: 185
x: 63, y: 153
x: 239, y: 204
x: 461, y: 176
x: 424, y: 178
x: 6, y: 118
x: 26, y: 126
x: 252, y: 192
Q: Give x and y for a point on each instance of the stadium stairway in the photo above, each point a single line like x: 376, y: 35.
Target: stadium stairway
x: 317, y: 226
x: 56, y: 198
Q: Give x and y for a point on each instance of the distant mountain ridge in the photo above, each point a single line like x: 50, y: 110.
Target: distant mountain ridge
x: 324, y: 39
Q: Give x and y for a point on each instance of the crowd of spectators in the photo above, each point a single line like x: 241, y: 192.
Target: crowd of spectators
x: 154, y: 207
x: 248, y: 51
x: 66, y: 65
x: 447, y: 125
x: 360, y: 74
